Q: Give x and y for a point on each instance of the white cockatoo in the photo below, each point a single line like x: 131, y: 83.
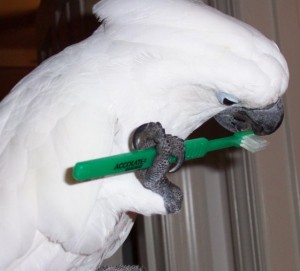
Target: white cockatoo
x: 176, y: 62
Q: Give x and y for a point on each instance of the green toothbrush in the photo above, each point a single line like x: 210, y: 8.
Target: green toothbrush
x: 141, y: 159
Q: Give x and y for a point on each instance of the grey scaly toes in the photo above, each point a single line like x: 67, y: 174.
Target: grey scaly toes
x: 150, y: 135
x: 177, y: 150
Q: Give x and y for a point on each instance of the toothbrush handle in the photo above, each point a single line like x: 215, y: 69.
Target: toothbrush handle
x: 86, y: 170
x: 132, y: 161
x: 141, y: 159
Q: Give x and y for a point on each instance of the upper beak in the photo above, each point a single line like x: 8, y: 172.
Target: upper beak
x: 263, y: 121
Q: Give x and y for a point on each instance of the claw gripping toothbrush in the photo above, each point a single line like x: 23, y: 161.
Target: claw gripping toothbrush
x: 142, y: 159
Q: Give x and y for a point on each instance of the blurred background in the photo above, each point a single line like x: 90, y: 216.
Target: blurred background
x: 18, y: 51
x: 32, y: 30
x: 241, y: 211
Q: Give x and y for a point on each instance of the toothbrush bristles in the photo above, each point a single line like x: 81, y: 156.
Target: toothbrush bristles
x: 254, y: 143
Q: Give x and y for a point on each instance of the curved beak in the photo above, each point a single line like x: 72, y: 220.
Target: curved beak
x: 263, y: 121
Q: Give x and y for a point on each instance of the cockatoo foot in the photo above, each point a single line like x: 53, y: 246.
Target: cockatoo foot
x: 150, y: 135
x: 122, y: 268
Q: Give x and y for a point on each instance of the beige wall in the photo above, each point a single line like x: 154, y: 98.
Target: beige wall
x: 278, y: 167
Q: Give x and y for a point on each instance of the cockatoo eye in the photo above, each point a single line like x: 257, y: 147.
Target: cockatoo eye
x: 227, y: 99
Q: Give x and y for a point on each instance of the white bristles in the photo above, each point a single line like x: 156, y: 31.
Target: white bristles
x: 254, y: 143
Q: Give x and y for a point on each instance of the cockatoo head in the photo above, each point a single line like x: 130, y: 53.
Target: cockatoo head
x: 208, y: 64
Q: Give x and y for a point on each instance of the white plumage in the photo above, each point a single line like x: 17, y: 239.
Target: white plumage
x: 152, y: 60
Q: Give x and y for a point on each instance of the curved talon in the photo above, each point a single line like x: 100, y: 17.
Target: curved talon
x: 179, y: 162
x: 177, y: 150
x: 136, y: 135
x: 146, y: 135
